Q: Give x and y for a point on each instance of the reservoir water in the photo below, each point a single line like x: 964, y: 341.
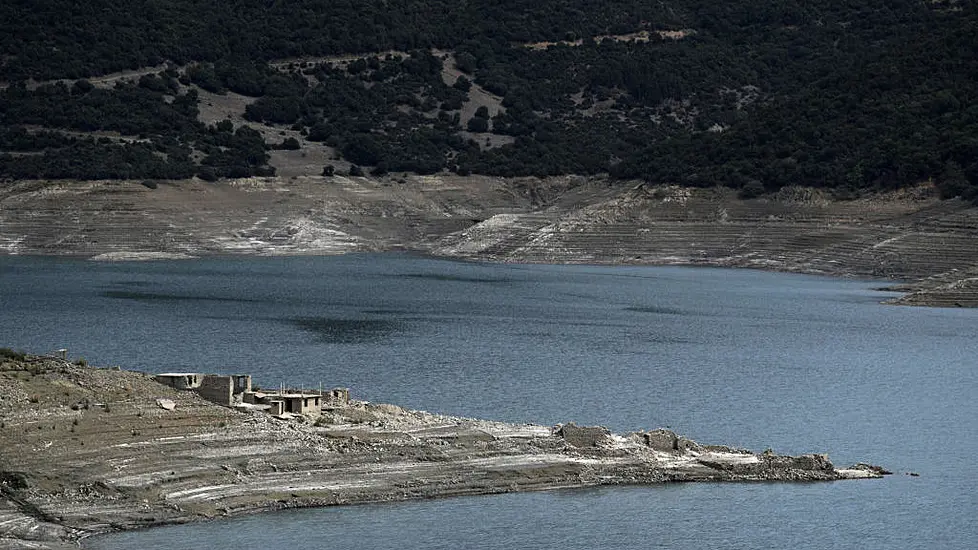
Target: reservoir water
x: 751, y: 359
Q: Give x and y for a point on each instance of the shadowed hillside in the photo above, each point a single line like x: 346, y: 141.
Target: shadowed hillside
x: 855, y: 97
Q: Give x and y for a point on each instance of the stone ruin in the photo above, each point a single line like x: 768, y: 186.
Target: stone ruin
x: 666, y: 441
x: 236, y: 391
x: 583, y: 436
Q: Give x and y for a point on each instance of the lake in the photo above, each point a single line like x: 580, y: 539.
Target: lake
x: 752, y: 359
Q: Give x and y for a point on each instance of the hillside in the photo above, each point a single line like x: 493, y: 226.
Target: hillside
x: 910, y: 235
x: 855, y: 97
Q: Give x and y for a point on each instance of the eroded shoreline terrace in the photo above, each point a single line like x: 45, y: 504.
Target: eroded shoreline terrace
x: 90, y: 450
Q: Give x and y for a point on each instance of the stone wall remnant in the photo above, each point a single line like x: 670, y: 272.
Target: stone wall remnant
x: 583, y: 436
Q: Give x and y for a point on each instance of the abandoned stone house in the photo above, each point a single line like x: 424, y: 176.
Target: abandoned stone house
x: 223, y: 390
x: 286, y: 402
x: 236, y: 391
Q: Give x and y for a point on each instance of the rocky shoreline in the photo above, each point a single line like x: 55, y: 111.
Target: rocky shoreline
x: 88, y: 451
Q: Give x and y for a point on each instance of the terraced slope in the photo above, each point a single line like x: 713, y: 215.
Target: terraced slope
x: 91, y: 450
x: 909, y: 236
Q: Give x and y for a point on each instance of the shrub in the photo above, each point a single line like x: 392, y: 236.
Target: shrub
x: 11, y: 354
x: 478, y: 125
x: 462, y: 84
x: 751, y: 189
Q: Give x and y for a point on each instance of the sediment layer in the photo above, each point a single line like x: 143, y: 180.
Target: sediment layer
x: 87, y: 451
x: 928, y: 245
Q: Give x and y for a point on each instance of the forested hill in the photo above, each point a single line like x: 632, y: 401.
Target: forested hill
x: 853, y: 95
x: 66, y: 38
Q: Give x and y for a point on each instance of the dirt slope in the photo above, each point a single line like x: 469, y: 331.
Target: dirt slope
x: 910, y: 236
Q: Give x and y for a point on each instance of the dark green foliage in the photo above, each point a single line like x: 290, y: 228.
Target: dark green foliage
x: 751, y: 189
x: 866, y: 95
x: 166, y: 125
x: 126, y: 109
x: 953, y: 182
x: 9, y: 353
x: 363, y: 149
x: 466, y: 62
x: 289, y: 144
x: 140, y: 33
x: 17, y: 138
x: 90, y: 160
x: 478, y: 124
x: 377, y: 114
x: 15, y: 481
x: 203, y: 75
x: 237, y: 155
x: 320, y: 131
x: 462, y: 84
x: 81, y: 87
x: 854, y: 95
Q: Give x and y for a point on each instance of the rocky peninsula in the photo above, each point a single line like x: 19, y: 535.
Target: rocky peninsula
x: 91, y: 450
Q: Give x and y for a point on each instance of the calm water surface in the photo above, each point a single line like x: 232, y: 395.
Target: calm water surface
x: 752, y: 359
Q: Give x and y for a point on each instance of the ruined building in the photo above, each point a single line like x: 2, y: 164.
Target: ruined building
x: 235, y: 391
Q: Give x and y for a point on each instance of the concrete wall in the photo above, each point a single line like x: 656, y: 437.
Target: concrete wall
x: 668, y: 441
x: 217, y: 389
x: 309, y: 404
x: 338, y: 397
x: 242, y: 383
x: 180, y: 381
x: 252, y: 397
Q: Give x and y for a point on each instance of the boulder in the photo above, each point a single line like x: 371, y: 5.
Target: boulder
x: 812, y: 462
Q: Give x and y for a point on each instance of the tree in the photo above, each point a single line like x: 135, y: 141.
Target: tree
x: 363, y: 149
x: 953, y: 183
x: 752, y: 189
x: 81, y: 87
x: 462, y: 84
x: 320, y: 132
x: 478, y: 124
x: 465, y: 62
